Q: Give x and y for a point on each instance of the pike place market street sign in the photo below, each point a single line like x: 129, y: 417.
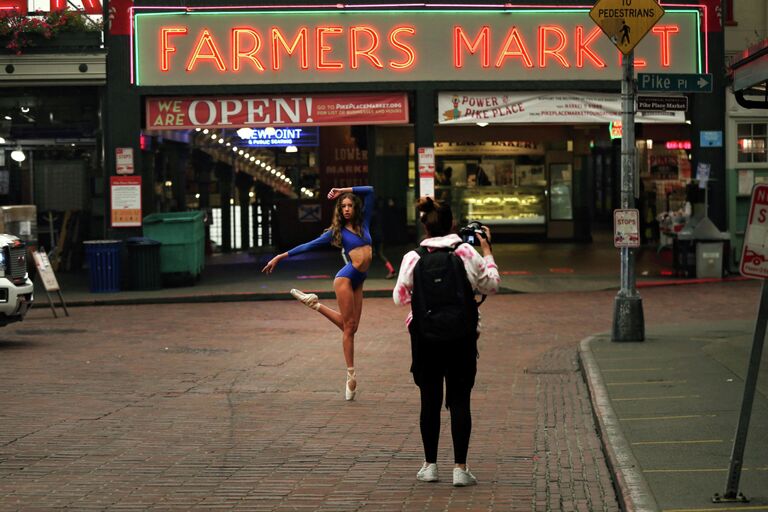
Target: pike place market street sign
x: 626, y: 22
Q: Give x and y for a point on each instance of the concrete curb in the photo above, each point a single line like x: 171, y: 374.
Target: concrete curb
x: 631, y: 488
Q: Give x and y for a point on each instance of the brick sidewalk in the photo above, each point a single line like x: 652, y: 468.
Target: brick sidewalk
x: 239, y: 406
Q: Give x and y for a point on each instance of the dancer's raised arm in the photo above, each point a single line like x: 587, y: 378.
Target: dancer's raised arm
x: 321, y: 241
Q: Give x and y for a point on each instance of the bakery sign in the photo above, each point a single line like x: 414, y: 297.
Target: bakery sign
x: 229, y: 47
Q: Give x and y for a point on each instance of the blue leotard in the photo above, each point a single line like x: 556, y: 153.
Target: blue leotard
x: 349, y: 239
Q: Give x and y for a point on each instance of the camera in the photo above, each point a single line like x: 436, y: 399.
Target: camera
x: 472, y: 232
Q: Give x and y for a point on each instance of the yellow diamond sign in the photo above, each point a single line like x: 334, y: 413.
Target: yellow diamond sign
x: 626, y: 22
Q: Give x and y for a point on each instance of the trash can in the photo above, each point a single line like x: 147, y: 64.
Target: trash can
x: 182, y: 236
x: 143, y: 264
x: 684, y: 256
x: 709, y: 259
x: 103, y: 264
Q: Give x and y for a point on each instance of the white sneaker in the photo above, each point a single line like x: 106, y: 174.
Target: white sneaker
x: 463, y: 478
x: 308, y: 299
x: 349, y: 393
x: 428, y: 473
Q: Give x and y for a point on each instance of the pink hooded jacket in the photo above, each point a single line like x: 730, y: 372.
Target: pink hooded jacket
x: 482, y: 272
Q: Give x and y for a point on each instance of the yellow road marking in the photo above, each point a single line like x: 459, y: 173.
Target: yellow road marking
x: 699, y: 470
x: 696, y: 441
x: 635, y: 369
x: 728, y: 509
x: 673, y: 397
x: 668, y: 417
x: 645, y: 383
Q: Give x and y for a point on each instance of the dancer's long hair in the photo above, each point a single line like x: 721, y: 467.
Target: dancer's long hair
x: 338, y: 223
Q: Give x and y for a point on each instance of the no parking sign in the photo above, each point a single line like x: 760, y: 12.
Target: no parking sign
x: 754, y: 254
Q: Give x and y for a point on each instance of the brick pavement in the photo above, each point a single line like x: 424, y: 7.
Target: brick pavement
x: 238, y: 406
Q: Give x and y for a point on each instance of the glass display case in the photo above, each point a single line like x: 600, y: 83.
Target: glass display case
x: 560, y: 192
x: 505, y: 205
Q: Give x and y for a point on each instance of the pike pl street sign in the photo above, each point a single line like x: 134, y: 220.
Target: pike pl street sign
x: 674, y: 82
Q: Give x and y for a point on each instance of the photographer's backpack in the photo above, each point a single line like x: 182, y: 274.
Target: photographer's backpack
x: 442, y: 302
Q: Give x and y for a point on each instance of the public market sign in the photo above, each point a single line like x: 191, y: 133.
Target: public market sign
x: 344, y: 45
x: 250, y: 111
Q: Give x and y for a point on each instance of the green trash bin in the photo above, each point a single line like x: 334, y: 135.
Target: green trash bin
x: 181, y: 236
x: 143, y: 264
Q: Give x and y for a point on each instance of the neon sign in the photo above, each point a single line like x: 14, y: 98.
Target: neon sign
x: 170, y: 48
x: 289, y: 136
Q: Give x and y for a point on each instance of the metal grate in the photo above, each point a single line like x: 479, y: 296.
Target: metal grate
x: 17, y: 264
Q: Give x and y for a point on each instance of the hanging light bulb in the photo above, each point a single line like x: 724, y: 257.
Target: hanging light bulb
x: 245, y: 133
x: 2, y: 139
x: 291, y: 149
x: 18, y: 155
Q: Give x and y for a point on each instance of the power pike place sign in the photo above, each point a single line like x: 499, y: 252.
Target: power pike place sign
x: 284, y: 47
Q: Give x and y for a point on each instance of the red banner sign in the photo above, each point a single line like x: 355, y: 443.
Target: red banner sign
x: 315, y: 110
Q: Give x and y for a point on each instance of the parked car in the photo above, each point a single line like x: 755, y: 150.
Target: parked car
x: 16, y: 289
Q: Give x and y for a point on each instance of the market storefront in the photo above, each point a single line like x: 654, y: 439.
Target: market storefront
x: 457, y: 82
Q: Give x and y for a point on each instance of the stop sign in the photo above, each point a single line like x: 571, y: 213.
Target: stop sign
x: 754, y: 254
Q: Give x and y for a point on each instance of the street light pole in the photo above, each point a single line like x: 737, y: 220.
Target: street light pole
x: 628, y: 322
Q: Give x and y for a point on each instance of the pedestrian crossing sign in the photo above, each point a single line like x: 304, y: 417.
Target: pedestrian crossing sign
x: 626, y: 22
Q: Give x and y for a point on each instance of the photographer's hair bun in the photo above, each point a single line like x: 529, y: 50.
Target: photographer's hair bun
x: 426, y: 204
x: 435, y: 215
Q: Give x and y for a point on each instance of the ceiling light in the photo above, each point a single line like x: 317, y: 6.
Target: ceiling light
x: 269, y: 167
x: 18, y: 155
x: 2, y: 140
x: 25, y: 109
x: 213, y: 136
x: 205, y: 131
x: 269, y: 131
x: 291, y: 149
x: 482, y: 124
x: 8, y: 118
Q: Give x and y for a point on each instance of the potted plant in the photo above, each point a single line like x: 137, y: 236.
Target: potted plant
x: 54, y: 29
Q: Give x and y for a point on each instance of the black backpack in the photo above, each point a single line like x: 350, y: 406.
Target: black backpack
x: 442, y: 301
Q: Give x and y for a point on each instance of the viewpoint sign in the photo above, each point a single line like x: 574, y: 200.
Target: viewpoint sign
x: 626, y: 22
x: 226, y: 47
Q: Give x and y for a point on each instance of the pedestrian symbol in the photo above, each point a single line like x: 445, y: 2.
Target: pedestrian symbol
x: 626, y: 22
x: 624, y: 32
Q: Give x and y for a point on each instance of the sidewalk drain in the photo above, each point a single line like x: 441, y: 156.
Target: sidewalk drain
x: 556, y: 371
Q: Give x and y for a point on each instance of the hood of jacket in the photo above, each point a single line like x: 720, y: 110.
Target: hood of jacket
x: 441, y: 242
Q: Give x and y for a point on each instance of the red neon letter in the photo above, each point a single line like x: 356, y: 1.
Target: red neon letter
x: 544, y: 30
x: 639, y: 63
x: 582, y: 48
x: 664, y: 32
x: 483, y: 39
x: 250, y: 54
x: 514, y: 37
x: 323, y: 47
x: 301, y: 38
x: 206, y: 40
x: 354, y: 50
x: 93, y: 7
x: 165, y: 45
x: 410, y: 53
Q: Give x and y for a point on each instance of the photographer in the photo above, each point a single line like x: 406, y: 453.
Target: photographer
x: 439, y: 280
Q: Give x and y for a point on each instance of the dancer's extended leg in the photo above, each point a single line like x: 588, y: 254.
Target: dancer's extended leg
x: 345, y: 296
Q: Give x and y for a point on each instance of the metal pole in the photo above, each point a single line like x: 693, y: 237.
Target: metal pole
x: 628, y: 323
x: 737, y: 455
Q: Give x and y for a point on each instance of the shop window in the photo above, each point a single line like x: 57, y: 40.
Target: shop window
x: 751, y: 142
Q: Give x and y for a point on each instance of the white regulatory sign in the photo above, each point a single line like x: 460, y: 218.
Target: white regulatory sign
x: 626, y: 228
x: 754, y: 254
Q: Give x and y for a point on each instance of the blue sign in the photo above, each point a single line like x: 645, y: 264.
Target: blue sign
x: 674, y: 82
x: 713, y: 139
x: 282, y: 137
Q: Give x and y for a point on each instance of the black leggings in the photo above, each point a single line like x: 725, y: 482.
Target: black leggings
x: 431, y: 387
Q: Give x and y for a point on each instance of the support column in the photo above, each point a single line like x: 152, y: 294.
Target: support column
x: 243, y: 184
x: 224, y: 174
x: 425, y: 118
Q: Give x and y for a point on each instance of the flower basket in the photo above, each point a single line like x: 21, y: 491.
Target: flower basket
x: 62, y: 31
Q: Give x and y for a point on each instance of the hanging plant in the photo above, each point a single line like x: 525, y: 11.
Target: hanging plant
x: 25, y: 30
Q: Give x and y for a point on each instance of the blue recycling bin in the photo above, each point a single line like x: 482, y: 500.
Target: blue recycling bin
x: 103, y: 264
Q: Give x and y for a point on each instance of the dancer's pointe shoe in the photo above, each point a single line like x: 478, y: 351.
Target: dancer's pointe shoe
x: 350, y: 389
x: 308, y: 299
